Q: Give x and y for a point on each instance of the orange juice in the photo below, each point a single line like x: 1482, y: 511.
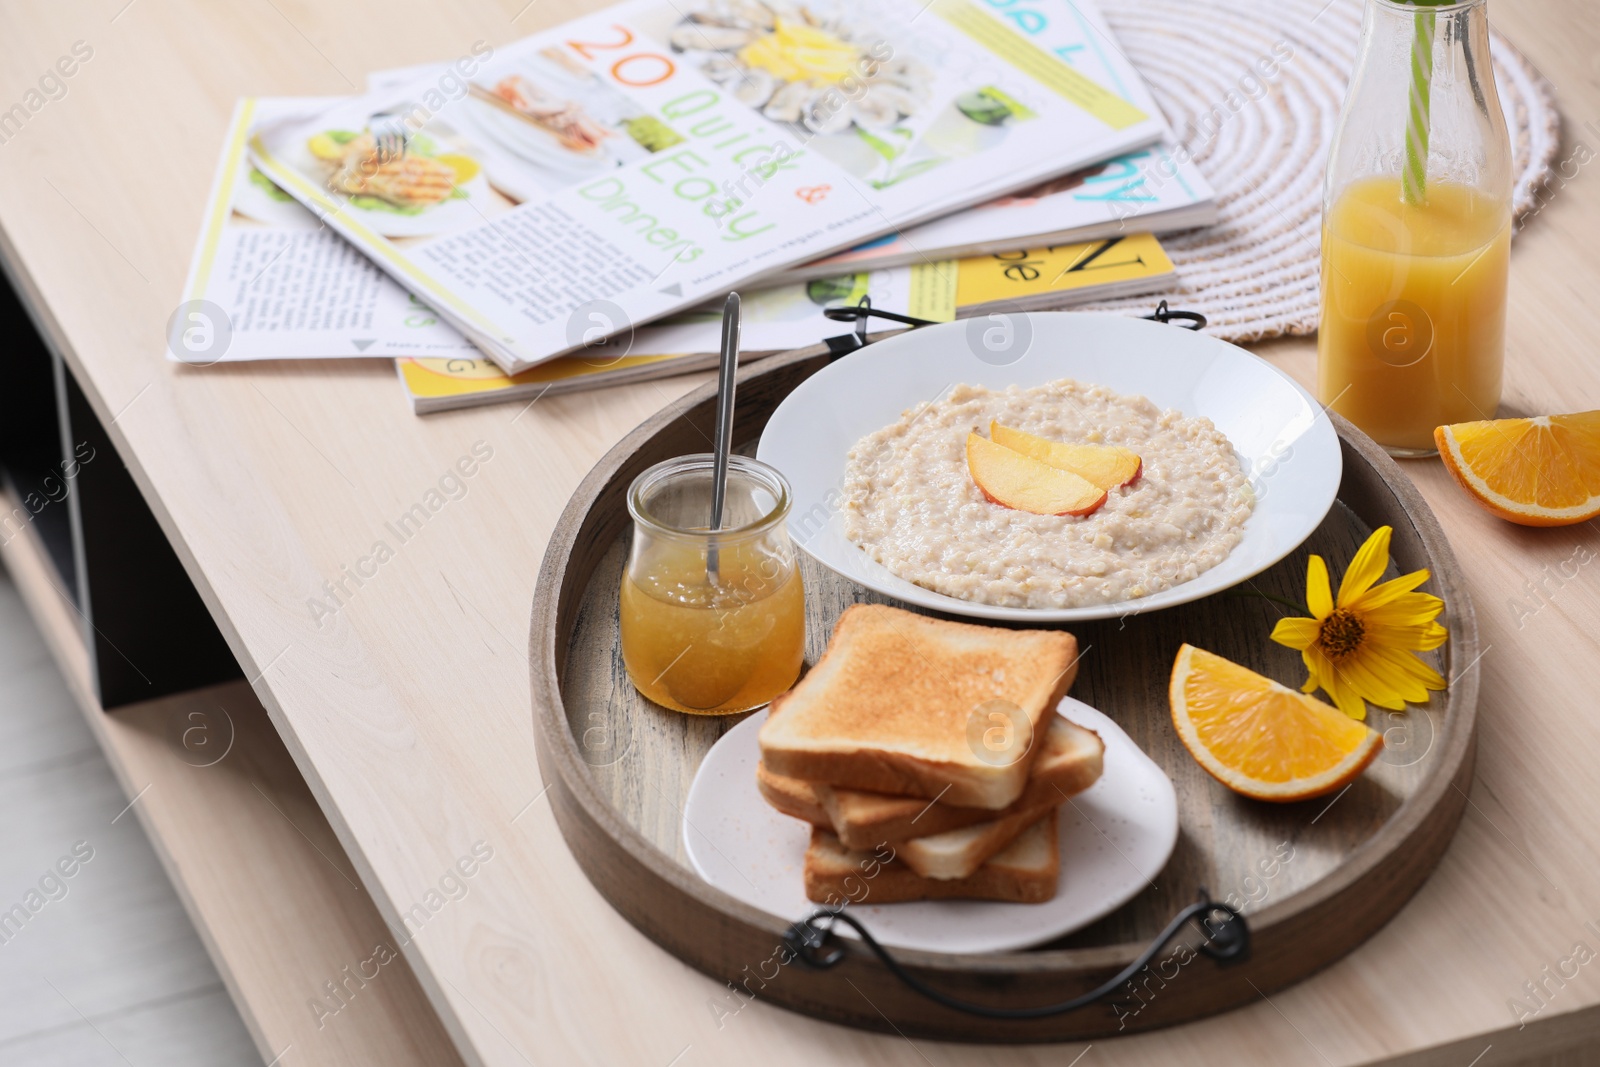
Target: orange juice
x: 1413, y: 309
x: 712, y: 646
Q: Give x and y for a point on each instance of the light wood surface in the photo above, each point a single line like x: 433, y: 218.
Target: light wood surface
x: 255, y: 864
x: 409, y: 714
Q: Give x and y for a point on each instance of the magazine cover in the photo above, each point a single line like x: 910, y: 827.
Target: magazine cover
x: 651, y: 156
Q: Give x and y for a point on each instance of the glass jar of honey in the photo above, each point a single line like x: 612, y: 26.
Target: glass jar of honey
x: 712, y: 623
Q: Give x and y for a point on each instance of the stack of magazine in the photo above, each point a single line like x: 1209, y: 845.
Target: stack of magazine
x: 561, y: 212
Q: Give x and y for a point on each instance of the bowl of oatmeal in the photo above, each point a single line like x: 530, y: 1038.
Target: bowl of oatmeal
x: 1238, y: 466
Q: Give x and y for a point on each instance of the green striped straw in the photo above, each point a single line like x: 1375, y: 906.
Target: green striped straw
x: 1414, y: 183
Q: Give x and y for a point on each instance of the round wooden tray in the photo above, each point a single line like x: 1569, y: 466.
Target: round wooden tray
x: 1315, y: 878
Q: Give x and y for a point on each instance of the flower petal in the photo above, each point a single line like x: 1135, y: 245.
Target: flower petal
x: 1296, y: 633
x: 1381, y: 679
x: 1433, y: 638
x: 1319, y: 595
x: 1408, y: 609
x: 1372, y: 559
x: 1417, y: 676
x: 1430, y: 678
x: 1347, y: 700
x: 1419, y: 637
x: 1395, y: 587
x: 1312, y: 682
x: 1343, y: 695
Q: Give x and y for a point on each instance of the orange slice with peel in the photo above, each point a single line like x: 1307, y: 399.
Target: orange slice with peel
x: 1543, y: 471
x: 1263, y: 739
x: 1107, y: 466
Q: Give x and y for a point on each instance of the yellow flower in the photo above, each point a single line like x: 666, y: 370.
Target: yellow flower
x: 1363, y: 645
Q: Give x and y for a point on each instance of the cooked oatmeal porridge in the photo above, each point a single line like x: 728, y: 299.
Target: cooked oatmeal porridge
x: 911, y: 503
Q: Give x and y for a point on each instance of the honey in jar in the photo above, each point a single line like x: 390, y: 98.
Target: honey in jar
x: 712, y: 623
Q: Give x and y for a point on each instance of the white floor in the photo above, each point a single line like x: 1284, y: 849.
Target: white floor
x: 103, y: 967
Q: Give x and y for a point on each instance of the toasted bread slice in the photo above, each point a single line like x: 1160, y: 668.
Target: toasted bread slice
x: 960, y: 853
x: 793, y: 797
x: 1069, y: 762
x: 1025, y: 872
x: 914, y: 706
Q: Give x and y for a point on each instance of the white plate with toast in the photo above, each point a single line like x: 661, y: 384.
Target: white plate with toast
x: 1114, y: 839
x: 1286, y: 448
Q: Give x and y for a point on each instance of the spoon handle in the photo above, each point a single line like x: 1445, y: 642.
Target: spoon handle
x: 723, y: 441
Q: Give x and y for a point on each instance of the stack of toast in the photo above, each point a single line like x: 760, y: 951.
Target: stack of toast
x: 929, y: 760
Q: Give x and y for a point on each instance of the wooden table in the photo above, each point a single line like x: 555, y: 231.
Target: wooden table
x: 408, y: 715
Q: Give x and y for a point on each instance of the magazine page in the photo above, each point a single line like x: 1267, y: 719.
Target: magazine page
x: 776, y: 316
x: 651, y: 156
x: 1053, y: 276
x: 1059, y: 276
x: 260, y: 251
x: 791, y: 316
x: 1156, y: 189
x: 771, y: 320
x: 269, y: 281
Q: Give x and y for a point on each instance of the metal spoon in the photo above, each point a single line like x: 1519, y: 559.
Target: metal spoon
x: 705, y: 690
x: 722, y: 444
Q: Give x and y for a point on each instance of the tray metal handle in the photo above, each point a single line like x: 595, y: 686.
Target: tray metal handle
x: 846, y: 343
x: 1225, y: 934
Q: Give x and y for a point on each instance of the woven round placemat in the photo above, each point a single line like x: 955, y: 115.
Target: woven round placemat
x: 1254, y: 93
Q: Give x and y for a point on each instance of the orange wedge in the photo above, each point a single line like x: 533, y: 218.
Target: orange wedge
x: 1260, y: 738
x: 1543, y: 471
x: 1107, y: 466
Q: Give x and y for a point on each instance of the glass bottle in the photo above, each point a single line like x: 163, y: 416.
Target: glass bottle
x: 712, y: 624
x: 1416, y: 229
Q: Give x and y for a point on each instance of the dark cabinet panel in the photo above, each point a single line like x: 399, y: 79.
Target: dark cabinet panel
x: 148, y: 632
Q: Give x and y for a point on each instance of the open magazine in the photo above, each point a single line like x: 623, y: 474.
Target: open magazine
x: 1153, y: 190
x: 269, y: 281
x: 654, y: 155
x: 1054, y: 276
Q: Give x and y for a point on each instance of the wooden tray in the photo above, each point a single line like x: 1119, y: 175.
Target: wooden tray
x: 1316, y: 878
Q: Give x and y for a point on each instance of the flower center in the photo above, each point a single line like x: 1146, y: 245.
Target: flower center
x: 1341, y: 634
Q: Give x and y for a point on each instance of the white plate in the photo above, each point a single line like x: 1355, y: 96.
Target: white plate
x: 1287, y: 448
x: 1115, y: 838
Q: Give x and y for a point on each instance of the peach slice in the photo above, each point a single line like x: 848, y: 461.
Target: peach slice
x: 1107, y: 466
x: 1014, y: 480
